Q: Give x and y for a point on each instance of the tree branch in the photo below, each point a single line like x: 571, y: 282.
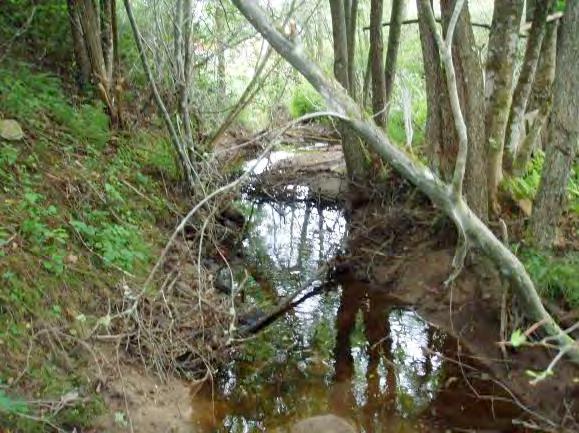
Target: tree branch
x: 445, y: 49
x: 421, y: 176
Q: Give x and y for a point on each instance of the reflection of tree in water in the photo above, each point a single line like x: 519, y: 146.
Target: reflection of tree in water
x: 288, y: 245
x: 399, y: 377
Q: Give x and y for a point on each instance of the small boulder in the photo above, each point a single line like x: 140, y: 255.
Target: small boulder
x: 323, y: 424
x: 11, y: 130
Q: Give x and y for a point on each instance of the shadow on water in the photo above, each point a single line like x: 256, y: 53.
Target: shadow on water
x: 348, y: 351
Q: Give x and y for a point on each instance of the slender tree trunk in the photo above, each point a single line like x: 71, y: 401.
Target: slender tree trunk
x: 80, y: 53
x: 377, y: 58
x: 541, y: 99
x: 440, y: 193
x: 219, y: 25
x: 470, y: 82
x: 353, y: 149
x: 498, y: 88
x: 351, y: 24
x: 563, y: 133
x: 396, y: 18
x: 367, y: 80
x: 185, y: 88
x: 340, y: 39
x: 107, y: 40
x: 118, y: 85
x: 180, y: 149
x: 91, y: 31
x: 525, y: 82
x: 440, y: 134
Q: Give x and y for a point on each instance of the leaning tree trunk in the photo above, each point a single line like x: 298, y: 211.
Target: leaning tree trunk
x: 541, y: 99
x: 526, y: 78
x: 563, y: 133
x: 504, y: 38
x: 443, y: 195
x: 396, y: 18
x: 377, y: 56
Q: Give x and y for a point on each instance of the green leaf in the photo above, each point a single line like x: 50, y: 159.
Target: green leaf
x: 518, y: 338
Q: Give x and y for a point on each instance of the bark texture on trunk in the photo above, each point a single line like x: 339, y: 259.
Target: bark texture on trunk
x: 563, y: 133
x: 396, y: 18
x: 351, y: 29
x: 526, y: 78
x: 354, y: 153
x: 377, y: 59
x: 470, y: 82
x: 107, y: 39
x: 441, y: 140
x: 219, y: 24
x: 340, y: 39
x: 80, y: 53
x: 504, y: 38
x: 541, y: 99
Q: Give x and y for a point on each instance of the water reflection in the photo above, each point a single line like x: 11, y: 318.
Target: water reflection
x: 345, y: 359
x: 292, y: 240
x: 351, y: 351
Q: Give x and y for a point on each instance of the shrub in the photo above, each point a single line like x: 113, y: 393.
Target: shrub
x: 305, y: 100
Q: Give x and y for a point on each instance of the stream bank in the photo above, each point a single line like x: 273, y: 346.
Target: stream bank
x: 378, y: 340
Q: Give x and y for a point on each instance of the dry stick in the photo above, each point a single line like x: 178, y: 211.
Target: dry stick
x: 420, y: 175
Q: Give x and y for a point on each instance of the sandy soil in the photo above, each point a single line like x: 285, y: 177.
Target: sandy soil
x: 138, y: 401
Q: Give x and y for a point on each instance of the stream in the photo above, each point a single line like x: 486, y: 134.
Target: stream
x: 346, y: 350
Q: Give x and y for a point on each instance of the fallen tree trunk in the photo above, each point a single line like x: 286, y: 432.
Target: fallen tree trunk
x: 442, y: 195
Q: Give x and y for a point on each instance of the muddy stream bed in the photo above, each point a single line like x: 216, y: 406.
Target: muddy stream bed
x: 349, y: 350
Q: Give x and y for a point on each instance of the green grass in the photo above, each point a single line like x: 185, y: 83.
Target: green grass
x: 79, y: 209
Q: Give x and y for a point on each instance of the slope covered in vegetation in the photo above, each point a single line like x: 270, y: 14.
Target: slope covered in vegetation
x: 81, y: 209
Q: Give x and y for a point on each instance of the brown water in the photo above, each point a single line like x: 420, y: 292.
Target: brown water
x: 348, y: 351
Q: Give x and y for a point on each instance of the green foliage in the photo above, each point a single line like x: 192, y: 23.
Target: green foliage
x: 47, y: 240
x: 9, y: 406
x: 48, y: 34
x: 526, y: 186
x: 119, y: 245
x: 73, y: 209
x: 34, y: 98
x: 555, y: 277
x: 518, y: 338
x: 305, y: 100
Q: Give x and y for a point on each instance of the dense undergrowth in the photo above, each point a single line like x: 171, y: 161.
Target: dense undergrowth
x: 80, y: 209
